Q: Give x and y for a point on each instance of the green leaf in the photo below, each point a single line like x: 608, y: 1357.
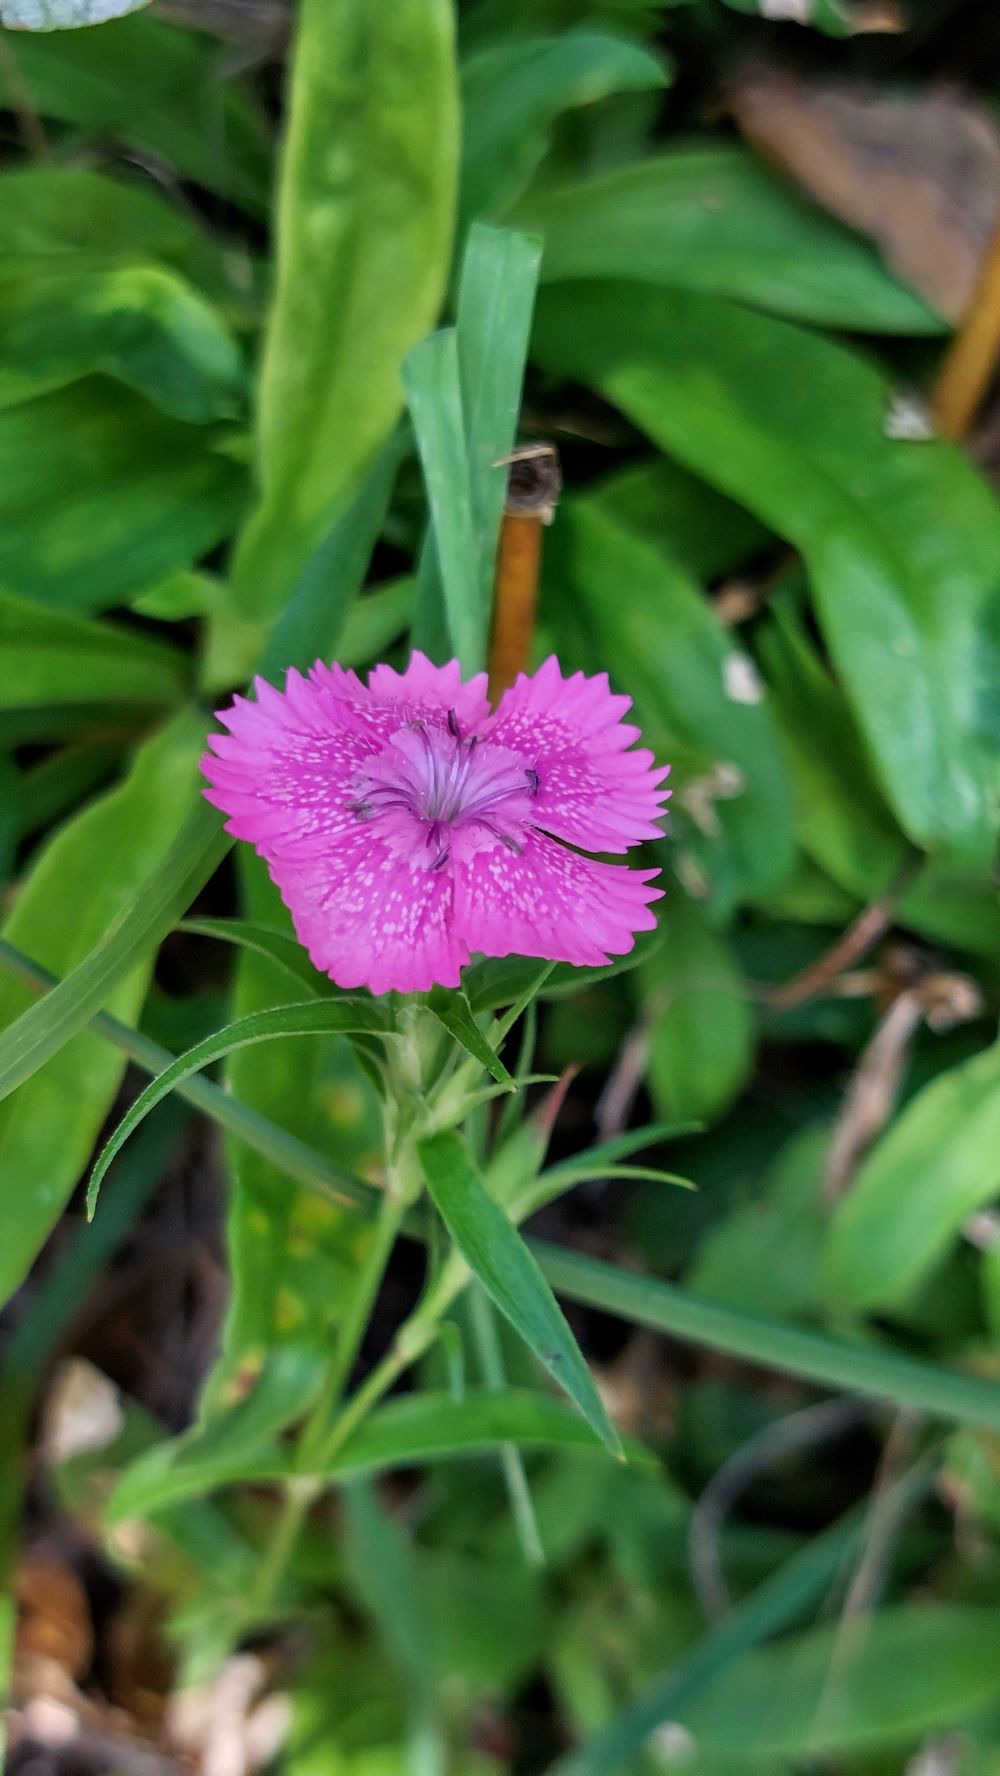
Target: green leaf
x: 264, y: 940
x: 513, y: 91
x: 101, y: 857
x: 841, y: 818
x: 412, y: 1431
x: 794, y: 427
x: 434, y: 395
x: 764, y: 1255
x: 297, y: 638
x: 50, y: 657
x: 141, y: 324
x: 699, y: 700
x: 712, y: 218
x: 62, y: 15
x: 509, y: 980
x: 153, y: 87
x: 365, y: 220
x: 100, y: 496
x: 321, y: 1175
x: 291, y: 1256
x: 497, y: 1255
x: 462, y: 460
x: 314, y: 1017
x: 60, y: 219
x: 380, y: 1560
x: 780, y: 1601
x: 701, y: 1023
x: 937, y: 1163
x: 451, y: 1008
x: 851, y: 1367
x: 708, y: 536
x: 905, y: 1672
x: 375, y: 621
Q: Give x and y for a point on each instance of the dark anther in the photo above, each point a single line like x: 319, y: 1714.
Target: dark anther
x: 534, y: 781
x: 441, y: 858
x: 362, y: 809
x: 511, y: 844
x: 453, y: 727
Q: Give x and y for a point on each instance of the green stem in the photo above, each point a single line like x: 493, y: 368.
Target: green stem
x: 392, y: 1210
x: 410, y: 1342
x: 306, y: 1484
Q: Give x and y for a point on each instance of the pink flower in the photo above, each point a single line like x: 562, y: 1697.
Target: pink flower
x: 408, y: 826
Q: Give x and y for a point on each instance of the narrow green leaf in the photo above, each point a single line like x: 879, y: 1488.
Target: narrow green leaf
x: 816, y: 1694
x: 100, y: 857
x: 411, y: 1431
x: 291, y: 1258
x: 434, y: 395
x: 853, y: 1368
x: 781, y: 1600
x: 315, y: 1017
x: 380, y: 1562
x: 290, y: 1156
x: 497, y: 1255
x: 264, y: 940
x: 451, y: 1008
x: 365, y: 221
x: 937, y: 1163
x: 495, y: 299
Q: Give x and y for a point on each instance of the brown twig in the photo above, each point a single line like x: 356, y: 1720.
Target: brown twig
x: 871, y: 923
x: 970, y: 361
x: 532, y: 491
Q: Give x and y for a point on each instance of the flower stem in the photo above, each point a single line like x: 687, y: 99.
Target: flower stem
x: 352, y: 1328
x: 305, y: 1485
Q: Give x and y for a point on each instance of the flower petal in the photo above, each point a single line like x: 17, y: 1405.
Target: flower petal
x: 369, y: 917
x: 592, y: 791
x: 423, y: 692
x: 285, y: 771
x: 547, y: 901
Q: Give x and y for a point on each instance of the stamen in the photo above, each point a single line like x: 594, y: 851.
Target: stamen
x: 534, y: 781
x: 453, y: 727
x: 441, y: 858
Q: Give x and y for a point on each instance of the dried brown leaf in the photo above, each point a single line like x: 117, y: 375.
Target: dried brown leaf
x: 916, y: 171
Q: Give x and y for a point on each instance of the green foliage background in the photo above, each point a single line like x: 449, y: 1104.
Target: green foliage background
x: 230, y: 439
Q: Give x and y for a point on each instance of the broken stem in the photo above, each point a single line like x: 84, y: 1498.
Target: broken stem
x: 532, y: 492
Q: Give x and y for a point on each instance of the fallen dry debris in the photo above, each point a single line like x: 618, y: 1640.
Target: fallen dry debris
x: 916, y: 171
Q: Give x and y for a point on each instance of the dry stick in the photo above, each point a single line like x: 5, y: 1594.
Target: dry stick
x: 968, y: 364
x: 532, y: 491
x: 871, y: 923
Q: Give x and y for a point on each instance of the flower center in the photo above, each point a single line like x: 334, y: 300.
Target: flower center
x: 431, y: 788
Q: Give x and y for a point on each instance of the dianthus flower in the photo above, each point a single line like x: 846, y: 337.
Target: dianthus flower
x: 408, y: 826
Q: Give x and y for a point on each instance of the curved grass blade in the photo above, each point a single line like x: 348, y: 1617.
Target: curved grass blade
x: 264, y: 940
x: 347, y: 1017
